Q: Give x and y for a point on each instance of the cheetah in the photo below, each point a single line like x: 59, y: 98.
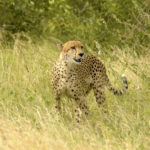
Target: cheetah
x: 75, y: 74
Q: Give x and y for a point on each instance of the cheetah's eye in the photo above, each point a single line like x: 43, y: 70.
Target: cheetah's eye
x: 82, y: 47
x: 73, y: 47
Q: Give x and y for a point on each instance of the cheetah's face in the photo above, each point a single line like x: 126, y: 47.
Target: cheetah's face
x: 72, y: 51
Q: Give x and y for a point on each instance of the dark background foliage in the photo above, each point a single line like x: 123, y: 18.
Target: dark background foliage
x: 108, y: 22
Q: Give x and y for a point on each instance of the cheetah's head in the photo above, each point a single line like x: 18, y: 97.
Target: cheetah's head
x: 72, y: 51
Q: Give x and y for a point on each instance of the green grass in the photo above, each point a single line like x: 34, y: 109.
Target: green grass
x: 28, y: 119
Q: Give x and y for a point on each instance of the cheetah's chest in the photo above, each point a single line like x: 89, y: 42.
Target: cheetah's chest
x: 72, y: 83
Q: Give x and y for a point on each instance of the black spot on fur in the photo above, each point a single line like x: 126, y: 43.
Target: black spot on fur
x: 86, y: 113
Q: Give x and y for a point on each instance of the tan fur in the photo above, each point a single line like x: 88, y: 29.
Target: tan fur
x: 75, y: 79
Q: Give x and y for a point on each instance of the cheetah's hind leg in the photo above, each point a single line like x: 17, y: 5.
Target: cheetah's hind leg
x: 100, y: 96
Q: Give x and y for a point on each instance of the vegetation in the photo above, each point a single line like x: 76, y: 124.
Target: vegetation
x: 112, y: 22
x: 118, y: 30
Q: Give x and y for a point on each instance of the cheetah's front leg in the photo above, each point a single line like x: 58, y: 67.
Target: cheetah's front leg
x: 81, y: 108
x: 58, y: 103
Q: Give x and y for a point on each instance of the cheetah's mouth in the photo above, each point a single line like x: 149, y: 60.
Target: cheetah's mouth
x: 78, y: 60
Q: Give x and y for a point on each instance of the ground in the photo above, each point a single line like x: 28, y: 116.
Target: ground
x: 27, y: 115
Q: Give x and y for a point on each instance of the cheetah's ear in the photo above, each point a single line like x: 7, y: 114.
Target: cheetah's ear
x: 60, y: 46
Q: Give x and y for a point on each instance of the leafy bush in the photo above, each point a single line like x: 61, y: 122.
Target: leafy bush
x: 111, y: 22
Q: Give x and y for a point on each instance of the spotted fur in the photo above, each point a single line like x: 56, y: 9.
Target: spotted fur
x: 75, y: 75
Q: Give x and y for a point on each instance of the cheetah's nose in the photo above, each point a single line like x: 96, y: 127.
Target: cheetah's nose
x: 81, y: 54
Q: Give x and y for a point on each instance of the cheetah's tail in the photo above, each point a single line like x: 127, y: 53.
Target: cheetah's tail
x: 122, y: 91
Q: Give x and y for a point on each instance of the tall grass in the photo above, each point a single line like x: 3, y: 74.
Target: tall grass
x: 28, y: 119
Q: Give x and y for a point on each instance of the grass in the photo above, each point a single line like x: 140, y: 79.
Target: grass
x: 28, y: 119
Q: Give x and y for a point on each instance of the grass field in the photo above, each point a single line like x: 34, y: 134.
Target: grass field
x: 28, y: 120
